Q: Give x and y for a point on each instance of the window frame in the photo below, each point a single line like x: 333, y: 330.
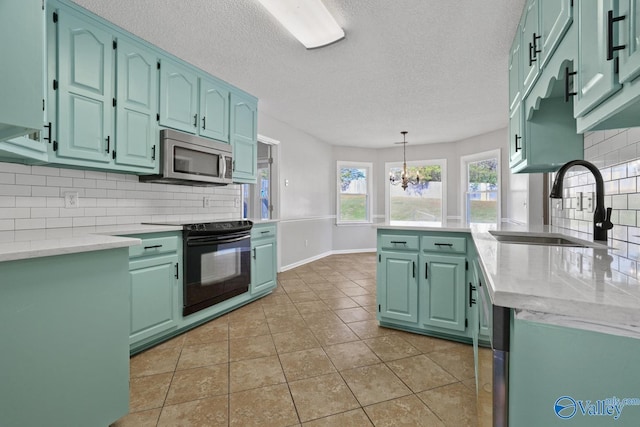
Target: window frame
x: 464, y: 179
x: 429, y: 162
x: 249, y: 190
x: 340, y: 164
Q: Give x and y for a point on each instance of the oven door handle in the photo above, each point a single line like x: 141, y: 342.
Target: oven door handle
x: 214, y: 241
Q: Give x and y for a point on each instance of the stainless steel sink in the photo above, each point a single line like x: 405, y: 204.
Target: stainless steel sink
x: 545, y: 240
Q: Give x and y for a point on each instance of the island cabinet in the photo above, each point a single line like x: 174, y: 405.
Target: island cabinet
x: 443, y: 283
x: 263, y: 258
x: 64, y: 323
x: 155, y: 272
x: 397, y: 282
x: 561, y: 375
x: 425, y: 285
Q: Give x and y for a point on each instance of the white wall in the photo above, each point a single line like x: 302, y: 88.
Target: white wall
x: 307, y: 204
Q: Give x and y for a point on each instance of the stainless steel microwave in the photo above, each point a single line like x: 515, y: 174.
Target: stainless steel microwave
x: 191, y: 160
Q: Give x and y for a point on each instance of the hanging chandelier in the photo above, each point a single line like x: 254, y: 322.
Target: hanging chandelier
x: 404, y: 178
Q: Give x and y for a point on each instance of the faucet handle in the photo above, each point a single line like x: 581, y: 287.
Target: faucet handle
x: 606, y: 224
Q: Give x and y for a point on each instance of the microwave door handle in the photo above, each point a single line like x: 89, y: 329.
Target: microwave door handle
x: 222, y: 166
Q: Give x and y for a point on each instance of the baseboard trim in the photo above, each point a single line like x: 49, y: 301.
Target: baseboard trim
x: 324, y: 255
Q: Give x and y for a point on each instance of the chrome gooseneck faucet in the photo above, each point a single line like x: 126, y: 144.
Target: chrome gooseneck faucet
x: 601, y: 221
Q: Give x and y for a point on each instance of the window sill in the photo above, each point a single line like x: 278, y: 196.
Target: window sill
x: 361, y: 223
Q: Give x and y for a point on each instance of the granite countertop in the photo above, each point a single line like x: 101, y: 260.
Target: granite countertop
x: 24, y: 244
x: 559, y: 284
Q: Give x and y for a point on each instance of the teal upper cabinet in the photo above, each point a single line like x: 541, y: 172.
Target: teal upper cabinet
x: 214, y: 110
x: 516, y: 141
x: 22, y: 82
x: 630, y: 36
x: 530, y: 44
x: 178, y: 96
x: 515, y: 72
x: 244, y: 138
x: 136, y: 106
x: 595, y: 79
x: 85, y: 89
x: 555, y: 18
x: 442, y: 291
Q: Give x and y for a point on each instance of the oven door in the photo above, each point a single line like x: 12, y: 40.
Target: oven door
x: 217, y: 268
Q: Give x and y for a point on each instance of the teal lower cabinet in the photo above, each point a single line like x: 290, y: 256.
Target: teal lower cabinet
x: 398, y: 287
x: 442, y: 292
x: 154, y: 272
x: 562, y: 376
x: 64, y: 325
x: 263, y: 258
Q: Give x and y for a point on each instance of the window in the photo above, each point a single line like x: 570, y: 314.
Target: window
x: 353, y: 203
x: 257, y: 199
x: 420, y: 204
x: 481, y: 187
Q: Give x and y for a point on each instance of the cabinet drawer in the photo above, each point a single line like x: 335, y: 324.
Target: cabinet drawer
x: 391, y: 241
x: 444, y: 244
x: 155, y: 246
x: 263, y: 232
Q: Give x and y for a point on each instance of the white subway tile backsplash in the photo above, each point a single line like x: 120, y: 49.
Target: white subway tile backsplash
x: 58, y: 222
x: 43, y: 170
x: 72, y: 173
x: 45, y: 191
x: 24, y: 179
x: 33, y: 197
x: 627, y: 185
x: 30, y: 224
x: 7, y: 178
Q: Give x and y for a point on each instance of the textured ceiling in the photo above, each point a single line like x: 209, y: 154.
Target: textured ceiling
x: 435, y: 68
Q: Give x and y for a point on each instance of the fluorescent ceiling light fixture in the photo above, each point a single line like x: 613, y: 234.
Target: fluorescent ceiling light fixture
x: 308, y: 20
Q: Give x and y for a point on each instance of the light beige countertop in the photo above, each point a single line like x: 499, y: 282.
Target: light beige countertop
x: 559, y: 284
x: 24, y: 244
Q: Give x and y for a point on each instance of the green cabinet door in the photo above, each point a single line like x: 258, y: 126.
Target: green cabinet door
x: 515, y: 72
x: 178, y: 97
x: 85, y: 89
x: 555, y: 18
x: 398, y: 295
x: 263, y: 267
x: 22, y: 75
x: 214, y: 110
x: 596, y: 79
x: 530, y: 45
x: 154, y: 291
x: 517, y: 138
x: 137, y: 106
x: 244, y: 138
x: 442, y: 291
x: 629, y: 36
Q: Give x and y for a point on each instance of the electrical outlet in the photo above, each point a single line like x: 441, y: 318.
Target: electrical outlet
x: 236, y: 202
x: 207, y: 202
x: 578, y: 201
x: 71, y: 200
x: 589, y: 199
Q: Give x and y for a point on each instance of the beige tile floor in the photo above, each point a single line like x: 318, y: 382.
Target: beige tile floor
x: 310, y: 354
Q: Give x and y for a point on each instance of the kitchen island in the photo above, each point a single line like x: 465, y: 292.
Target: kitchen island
x: 560, y: 315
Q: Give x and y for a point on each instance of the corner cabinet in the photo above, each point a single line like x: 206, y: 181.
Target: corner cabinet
x: 155, y: 282
x: 244, y: 138
x: 263, y: 258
